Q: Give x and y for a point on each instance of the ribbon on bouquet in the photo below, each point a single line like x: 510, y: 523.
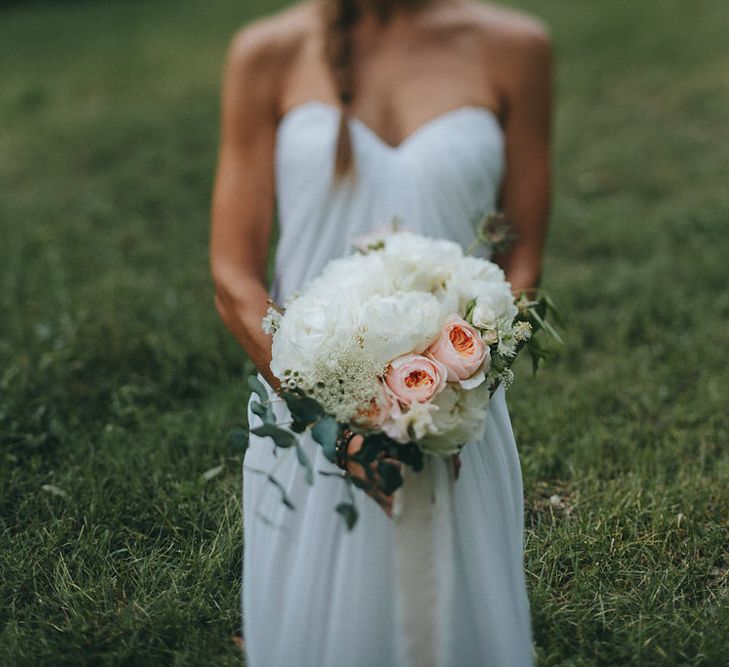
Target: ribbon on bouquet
x: 424, y: 592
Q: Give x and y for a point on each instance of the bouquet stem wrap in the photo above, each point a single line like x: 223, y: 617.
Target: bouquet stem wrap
x: 421, y: 592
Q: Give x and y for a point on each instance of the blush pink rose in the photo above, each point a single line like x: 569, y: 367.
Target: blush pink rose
x: 459, y: 348
x: 377, y: 410
x: 413, y: 378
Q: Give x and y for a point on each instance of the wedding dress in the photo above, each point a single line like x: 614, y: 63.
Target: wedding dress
x: 314, y: 593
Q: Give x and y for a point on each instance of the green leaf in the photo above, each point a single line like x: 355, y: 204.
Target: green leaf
x: 390, y: 477
x: 469, y: 310
x: 281, y: 437
x: 536, y: 359
x: 303, y: 409
x: 239, y: 438
x: 537, y: 353
x: 304, y: 461
x: 373, y: 445
x: 349, y: 512
x: 409, y: 453
x: 553, y: 311
x: 325, y: 432
x: 547, y: 326
x: 264, y: 411
x: 257, y: 387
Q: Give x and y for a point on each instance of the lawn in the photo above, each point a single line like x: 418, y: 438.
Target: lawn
x: 120, y: 521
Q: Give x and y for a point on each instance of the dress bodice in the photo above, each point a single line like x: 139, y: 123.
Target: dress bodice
x: 437, y: 181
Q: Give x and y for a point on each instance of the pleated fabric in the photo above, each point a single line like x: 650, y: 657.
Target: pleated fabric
x: 314, y: 593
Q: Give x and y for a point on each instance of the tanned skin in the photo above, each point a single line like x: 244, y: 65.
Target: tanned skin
x: 417, y: 66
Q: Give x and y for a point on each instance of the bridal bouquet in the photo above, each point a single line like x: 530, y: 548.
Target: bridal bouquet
x: 403, y: 342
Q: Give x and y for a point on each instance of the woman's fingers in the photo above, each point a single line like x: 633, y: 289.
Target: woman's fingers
x: 372, y: 481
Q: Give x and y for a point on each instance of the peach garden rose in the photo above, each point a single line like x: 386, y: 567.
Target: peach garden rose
x: 414, y: 378
x: 461, y: 350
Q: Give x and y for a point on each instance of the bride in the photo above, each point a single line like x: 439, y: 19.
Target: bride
x: 337, y: 116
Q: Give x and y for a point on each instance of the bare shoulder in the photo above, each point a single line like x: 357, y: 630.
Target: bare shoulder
x: 516, y: 45
x: 266, y: 47
x: 509, y: 28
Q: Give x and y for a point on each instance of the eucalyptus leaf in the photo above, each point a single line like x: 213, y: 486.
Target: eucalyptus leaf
x: 349, y: 512
x: 281, y: 437
x: 325, y: 432
x: 257, y: 387
x: 303, y: 408
x: 264, y: 411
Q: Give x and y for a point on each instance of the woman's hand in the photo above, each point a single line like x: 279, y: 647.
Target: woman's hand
x: 370, y: 484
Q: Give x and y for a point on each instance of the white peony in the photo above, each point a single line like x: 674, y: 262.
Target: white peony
x: 352, y: 277
x: 419, y: 263
x: 399, y: 323
x: 309, y: 328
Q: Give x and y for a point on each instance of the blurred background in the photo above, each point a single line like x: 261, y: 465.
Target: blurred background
x: 122, y: 396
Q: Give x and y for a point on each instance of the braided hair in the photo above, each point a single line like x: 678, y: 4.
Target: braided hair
x: 340, y: 18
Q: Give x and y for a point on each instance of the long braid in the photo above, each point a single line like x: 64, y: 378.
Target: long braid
x: 340, y: 17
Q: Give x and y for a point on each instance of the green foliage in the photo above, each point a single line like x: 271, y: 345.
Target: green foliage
x: 282, y: 437
x: 120, y: 389
x: 325, y: 432
x: 305, y: 411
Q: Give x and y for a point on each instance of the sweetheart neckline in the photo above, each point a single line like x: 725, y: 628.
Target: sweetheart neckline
x: 484, y: 111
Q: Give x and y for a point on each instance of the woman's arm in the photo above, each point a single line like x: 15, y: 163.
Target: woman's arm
x: 526, y: 191
x: 243, y: 197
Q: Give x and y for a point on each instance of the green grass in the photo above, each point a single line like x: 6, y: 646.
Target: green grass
x: 119, y: 386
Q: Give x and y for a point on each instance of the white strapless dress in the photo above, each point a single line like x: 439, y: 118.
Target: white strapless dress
x: 315, y: 594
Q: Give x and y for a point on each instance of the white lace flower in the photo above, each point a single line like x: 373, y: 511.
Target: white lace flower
x: 522, y: 331
x: 271, y: 320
